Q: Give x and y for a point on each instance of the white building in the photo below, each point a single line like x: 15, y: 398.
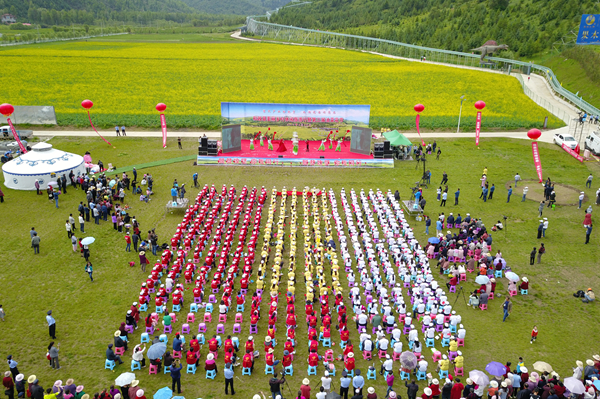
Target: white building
x: 8, y: 19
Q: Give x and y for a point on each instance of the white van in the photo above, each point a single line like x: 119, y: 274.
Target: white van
x: 592, y: 143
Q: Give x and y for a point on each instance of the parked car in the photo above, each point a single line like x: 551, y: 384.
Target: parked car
x: 592, y: 143
x: 567, y: 139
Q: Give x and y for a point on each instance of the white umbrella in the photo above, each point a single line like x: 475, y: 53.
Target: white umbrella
x: 52, y: 183
x: 124, y: 379
x: 574, y: 385
x: 512, y: 276
x: 542, y: 366
x: 482, y: 280
x: 88, y: 240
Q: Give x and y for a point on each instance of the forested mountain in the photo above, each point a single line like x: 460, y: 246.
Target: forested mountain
x: 527, y: 26
x: 65, y: 12
x: 238, y: 7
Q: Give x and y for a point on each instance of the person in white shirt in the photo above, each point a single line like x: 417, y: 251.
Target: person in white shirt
x: 326, y: 382
x: 461, y: 332
x: 383, y: 343
x: 525, y: 190
x: 367, y: 345
x: 396, y: 333
x: 362, y: 320
x: 430, y: 332
x: 423, y: 364
x: 398, y: 347
x: 439, y: 319
x: 387, y: 366
x: 364, y: 336
x: 413, y: 335
x: 321, y: 394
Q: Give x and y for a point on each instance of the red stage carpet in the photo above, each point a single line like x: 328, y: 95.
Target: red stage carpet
x: 263, y: 152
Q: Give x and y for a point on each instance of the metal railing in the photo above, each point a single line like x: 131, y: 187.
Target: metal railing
x: 62, y: 39
x: 557, y: 111
x: 294, y: 34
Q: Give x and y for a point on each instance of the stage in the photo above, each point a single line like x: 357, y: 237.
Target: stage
x: 261, y: 156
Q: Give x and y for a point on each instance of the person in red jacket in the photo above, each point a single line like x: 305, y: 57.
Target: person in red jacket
x: 213, y: 344
x: 313, y: 358
x: 191, y: 357
x: 291, y: 320
x: 344, y: 335
x: 289, y: 345
x: 287, y: 359
x: 427, y: 394
x: 270, y: 358
x: 135, y: 312
x: 250, y: 344
x: 349, y: 362
x: 268, y: 343
x: 248, y: 361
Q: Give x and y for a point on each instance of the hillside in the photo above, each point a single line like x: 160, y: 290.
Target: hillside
x: 527, y: 26
x: 237, y: 7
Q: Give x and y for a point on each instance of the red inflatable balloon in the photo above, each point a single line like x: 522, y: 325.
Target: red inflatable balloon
x: 87, y: 104
x: 480, y: 105
x: 160, y: 107
x: 419, y: 107
x: 6, y: 109
x: 534, y: 134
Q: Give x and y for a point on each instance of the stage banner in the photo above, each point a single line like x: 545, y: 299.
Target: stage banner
x: 308, y: 120
x: 477, y: 127
x: 226, y: 160
x: 572, y: 152
x: 536, y: 160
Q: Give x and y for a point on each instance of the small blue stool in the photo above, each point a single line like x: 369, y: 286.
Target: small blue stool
x: 453, y: 328
x: 191, y: 369
x: 246, y: 371
x: 404, y: 375
x: 209, y: 308
x: 269, y: 370
x: 201, y: 339
x: 327, y: 342
x: 145, y: 338
x: 176, y: 308
x: 109, y: 364
x: 144, y: 307
x: 312, y: 370
x: 193, y: 308
x: 524, y: 292
x: 332, y: 372
x: 430, y: 342
x: 289, y: 370
x: 421, y: 376
x: 445, y: 342
x: 211, y: 374
x: 371, y: 374
x: 164, y: 338
x: 167, y: 369
x: 159, y: 309
x: 498, y: 274
x: 240, y: 308
x: 348, y: 372
x: 135, y: 365
x: 443, y: 374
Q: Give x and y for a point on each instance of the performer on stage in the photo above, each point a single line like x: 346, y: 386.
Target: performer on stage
x: 269, y: 144
x: 322, y: 146
x: 261, y: 139
x: 252, y: 144
x: 281, y: 147
x: 339, y: 145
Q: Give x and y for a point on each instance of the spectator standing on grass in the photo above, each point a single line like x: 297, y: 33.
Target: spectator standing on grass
x: 2, y: 314
x: 588, y: 232
x: 532, y: 256
x: 534, y: 334
x: 581, y: 197
x: 506, y: 307
x: 68, y: 227
x: 89, y: 270
x: 509, y: 193
x: 182, y: 191
x: 444, y: 198
x: 427, y: 224
x: 545, y: 227
x: 540, y: 229
x: 444, y: 178
x: 541, y: 209
x: 9, y: 385
x: 51, y: 324
x: 525, y: 190
x: 81, y: 222
x: 456, y: 194
x: 123, y: 130
x: 55, y: 194
x: 176, y: 376
x: 195, y: 177
x: 588, y: 182
x: 517, y: 179
x: 117, y: 130
x: 541, y: 251
x: 492, y: 191
x: 53, y: 352
x: 179, y: 143
x: 12, y: 364
x: 35, y: 243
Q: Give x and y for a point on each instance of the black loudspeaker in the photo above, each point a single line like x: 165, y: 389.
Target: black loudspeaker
x: 212, y: 147
x: 204, y: 141
x: 280, y: 156
x: 378, y: 150
x: 322, y: 157
x: 388, y: 153
x: 386, y: 146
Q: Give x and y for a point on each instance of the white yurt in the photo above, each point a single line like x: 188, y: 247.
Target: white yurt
x: 42, y: 163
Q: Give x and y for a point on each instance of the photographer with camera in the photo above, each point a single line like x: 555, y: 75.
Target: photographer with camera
x: 275, y: 385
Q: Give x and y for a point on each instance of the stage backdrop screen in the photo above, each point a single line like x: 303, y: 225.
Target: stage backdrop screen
x: 361, y: 140
x: 231, y: 137
x: 310, y: 121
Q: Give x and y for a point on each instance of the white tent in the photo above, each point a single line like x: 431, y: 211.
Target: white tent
x: 43, y: 163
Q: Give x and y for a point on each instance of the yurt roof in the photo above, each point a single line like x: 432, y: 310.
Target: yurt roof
x: 43, y: 159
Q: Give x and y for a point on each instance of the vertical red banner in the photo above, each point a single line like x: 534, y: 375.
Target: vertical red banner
x: 16, y: 136
x: 417, y: 123
x: 163, y: 125
x: 536, y: 159
x: 477, y: 127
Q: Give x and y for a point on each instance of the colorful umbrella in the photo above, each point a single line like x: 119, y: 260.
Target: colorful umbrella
x: 163, y: 393
x: 434, y: 240
x: 408, y: 360
x: 495, y: 368
x: 500, y: 260
x: 157, y: 350
x: 512, y: 276
x: 88, y: 240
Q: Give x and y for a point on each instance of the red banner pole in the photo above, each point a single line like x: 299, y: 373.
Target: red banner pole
x: 477, y: 127
x: 417, y: 123
x: 163, y: 125
x: 16, y: 136
x: 536, y: 160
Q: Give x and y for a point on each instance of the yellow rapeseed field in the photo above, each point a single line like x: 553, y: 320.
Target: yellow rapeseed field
x: 126, y: 80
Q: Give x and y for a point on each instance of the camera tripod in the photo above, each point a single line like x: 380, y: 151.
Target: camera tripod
x: 460, y: 291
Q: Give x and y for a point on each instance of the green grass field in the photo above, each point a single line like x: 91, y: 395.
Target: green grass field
x: 125, y: 80
x: 87, y: 314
